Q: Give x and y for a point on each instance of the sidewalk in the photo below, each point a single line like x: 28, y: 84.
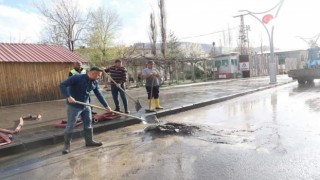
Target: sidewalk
x: 174, y: 98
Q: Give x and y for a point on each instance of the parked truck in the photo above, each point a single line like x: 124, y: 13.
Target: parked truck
x: 311, y: 70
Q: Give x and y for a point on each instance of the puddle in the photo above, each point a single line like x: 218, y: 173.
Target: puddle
x: 172, y: 129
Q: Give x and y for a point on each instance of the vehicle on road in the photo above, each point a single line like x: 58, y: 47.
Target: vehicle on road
x: 311, y: 70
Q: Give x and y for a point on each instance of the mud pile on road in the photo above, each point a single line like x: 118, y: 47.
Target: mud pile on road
x: 172, y: 129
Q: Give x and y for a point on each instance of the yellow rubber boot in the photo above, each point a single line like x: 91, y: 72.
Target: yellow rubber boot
x: 150, y: 104
x: 150, y: 107
x: 157, y: 103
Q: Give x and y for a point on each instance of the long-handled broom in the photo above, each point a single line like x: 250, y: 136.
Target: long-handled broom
x: 144, y: 119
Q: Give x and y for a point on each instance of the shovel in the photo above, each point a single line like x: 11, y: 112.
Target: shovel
x: 137, y: 102
x: 144, y: 120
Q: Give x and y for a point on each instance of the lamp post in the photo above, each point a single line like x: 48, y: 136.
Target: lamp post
x: 213, y: 48
x: 265, y: 20
x: 213, y: 66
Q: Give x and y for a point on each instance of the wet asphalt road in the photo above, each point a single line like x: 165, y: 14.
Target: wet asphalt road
x: 273, y: 134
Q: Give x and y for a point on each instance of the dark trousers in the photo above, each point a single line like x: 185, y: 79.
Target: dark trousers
x: 115, y: 94
x: 155, y: 92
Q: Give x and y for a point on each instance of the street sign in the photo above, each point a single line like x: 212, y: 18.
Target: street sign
x: 244, y: 66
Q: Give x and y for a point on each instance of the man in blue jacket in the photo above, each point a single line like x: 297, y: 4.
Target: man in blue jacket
x: 77, y: 88
x: 77, y: 69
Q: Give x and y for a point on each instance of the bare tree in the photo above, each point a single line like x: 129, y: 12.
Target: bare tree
x: 230, y: 39
x: 65, y: 21
x: 153, y: 34
x: 163, y: 28
x: 104, y: 24
x: 52, y: 35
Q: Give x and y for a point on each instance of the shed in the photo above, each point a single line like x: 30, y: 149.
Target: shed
x: 227, y: 65
x: 33, y: 72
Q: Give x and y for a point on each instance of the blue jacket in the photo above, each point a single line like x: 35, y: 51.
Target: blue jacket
x: 79, y: 87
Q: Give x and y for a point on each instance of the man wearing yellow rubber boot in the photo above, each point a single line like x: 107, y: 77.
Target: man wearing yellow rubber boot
x: 152, y: 75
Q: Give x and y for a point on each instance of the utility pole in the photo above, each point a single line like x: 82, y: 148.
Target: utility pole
x: 243, y: 35
x: 244, y: 59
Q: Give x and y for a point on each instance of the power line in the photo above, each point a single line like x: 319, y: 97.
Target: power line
x: 188, y: 37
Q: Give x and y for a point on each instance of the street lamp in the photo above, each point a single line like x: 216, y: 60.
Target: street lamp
x: 265, y: 20
x: 213, y: 66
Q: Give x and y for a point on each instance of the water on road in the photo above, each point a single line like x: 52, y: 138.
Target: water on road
x: 273, y: 134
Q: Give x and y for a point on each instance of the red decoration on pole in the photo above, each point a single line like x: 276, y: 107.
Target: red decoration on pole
x: 267, y: 18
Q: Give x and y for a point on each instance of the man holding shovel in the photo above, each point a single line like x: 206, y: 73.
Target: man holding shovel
x: 118, y: 73
x: 152, y: 76
x: 77, y: 88
x: 77, y: 69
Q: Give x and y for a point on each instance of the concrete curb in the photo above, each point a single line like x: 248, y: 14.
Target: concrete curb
x: 57, y: 138
x: 199, y: 84
x: 212, y: 101
x: 51, y: 138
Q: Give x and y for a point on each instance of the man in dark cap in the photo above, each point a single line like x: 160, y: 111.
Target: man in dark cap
x: 152, y: 76
x: 77, y: 69
x: 78, y: 88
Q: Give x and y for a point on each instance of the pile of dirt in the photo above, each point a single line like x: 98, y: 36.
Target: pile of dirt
x: 172, y: 128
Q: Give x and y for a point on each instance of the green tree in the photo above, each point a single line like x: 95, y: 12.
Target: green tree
x: 104, y: 24
x: 173, y: 47
x: 173, y: 54
x: 123, y: 51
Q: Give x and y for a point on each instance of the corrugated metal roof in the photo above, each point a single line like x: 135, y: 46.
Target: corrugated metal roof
x: 16, y: 52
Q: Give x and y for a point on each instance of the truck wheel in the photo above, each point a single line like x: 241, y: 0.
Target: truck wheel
x: 301, y: 81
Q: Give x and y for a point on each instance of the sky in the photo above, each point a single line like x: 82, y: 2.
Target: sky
x: 199, y: 21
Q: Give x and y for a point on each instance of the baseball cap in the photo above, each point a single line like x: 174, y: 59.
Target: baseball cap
x: 94, y: 68
x: 150, y: 62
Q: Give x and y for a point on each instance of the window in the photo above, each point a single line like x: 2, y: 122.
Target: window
x: 217, y: 63
x: 225, y: 62
x: 282, y: 61
x: 234, y: 62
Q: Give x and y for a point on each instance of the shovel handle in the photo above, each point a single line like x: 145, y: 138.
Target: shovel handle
x: 120, y: 87
x: 116, y: 112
